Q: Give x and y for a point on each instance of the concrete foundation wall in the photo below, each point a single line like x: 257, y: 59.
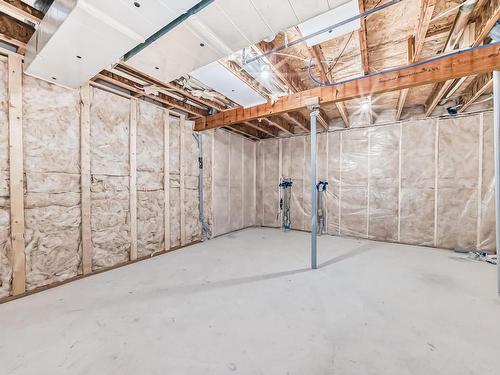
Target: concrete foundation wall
x: 425, y: 182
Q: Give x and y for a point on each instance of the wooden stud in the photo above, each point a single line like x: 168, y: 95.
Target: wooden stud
x: 399, y: 178
x: 15, y: 65
x: 85, y: 176
x: 182, y: 126
x: 212, y: 181
x: 480, y: 181
x: 363, y: 44
x: 166, y: 178
x: 133, y: 178
x: 436, y: 182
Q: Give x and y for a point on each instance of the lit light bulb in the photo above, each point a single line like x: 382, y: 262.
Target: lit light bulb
x: 265, y: 72
x: 366, y: 105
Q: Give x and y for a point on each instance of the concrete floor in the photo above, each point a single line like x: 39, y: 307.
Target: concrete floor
x: 246, y: 303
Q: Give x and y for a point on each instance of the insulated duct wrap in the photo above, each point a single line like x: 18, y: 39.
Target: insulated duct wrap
x: 425, y: 182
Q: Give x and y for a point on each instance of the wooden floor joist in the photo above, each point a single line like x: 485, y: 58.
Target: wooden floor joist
x: 273, y: 132
x: 473, y: 61
x: 161, y: 98
x: 280, y: 124
x: 478, y: 87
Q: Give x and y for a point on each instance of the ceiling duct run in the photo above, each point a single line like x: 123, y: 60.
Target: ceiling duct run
x: 78, y: 38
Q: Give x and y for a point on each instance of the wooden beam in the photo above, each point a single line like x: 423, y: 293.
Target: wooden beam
x: 182, y: 182
x: 478, y: 87
x: 273, y: 132
x: 279, y: 123
x: 85, y: 178
x: 464, y: 63
x: 15, y: 65
x: 363, y: 44
x: 21, y: 11
x: 137, y: 88
x: 166, y: 179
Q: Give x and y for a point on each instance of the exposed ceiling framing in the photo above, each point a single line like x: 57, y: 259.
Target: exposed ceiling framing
x: 382, y: 42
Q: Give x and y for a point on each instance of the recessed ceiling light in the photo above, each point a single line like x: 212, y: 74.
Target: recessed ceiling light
x: 137, y: 4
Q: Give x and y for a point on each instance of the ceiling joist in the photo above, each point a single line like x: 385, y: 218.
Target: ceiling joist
x: 469, y: 62
x: 416, y: 44
x: 481, y: 84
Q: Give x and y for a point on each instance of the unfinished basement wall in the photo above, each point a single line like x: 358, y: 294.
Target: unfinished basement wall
x: 91, y: 159
x: 234, y: 182
x: 426, y: 182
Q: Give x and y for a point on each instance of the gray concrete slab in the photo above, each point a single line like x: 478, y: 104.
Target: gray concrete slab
x: 246, y: 303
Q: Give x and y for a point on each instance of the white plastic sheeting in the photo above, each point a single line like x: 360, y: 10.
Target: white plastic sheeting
x: 234, y: 182
x: 427, y: 182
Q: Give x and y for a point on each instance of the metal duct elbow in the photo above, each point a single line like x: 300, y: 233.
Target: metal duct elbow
x: 461, y: 21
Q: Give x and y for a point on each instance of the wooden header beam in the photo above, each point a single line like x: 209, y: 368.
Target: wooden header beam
x: 473, y: 61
